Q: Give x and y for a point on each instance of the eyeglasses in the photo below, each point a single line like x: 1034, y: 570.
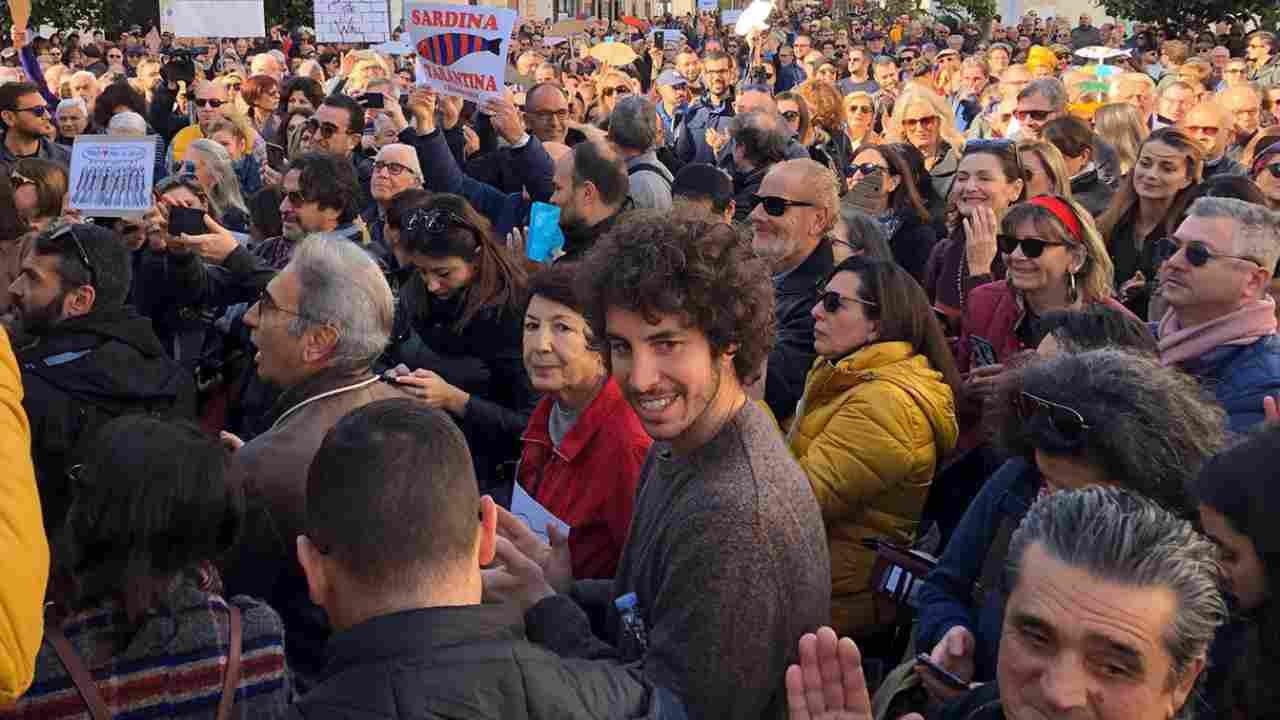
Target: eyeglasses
x: 776, y: 206
x: 620, y: 90
x: 266, y: 304
x: 832, y: 301
x: 395, y: 169
x: 64, y: 231
x: 326, y: 130
x: 115, y: 56
x: 1037, y: 115
x: 548, y: 114
x: 1196, y: 252
x: 865, y: 169
x: 791, y: 115
x: 210, y: 102
x: 1066, y: 422
x: 1273, y: 168
x: 1031, y: 247
x: 1209, y: 130
x: 438, y: 221
x: 38, y: 110
x: 924, y: 122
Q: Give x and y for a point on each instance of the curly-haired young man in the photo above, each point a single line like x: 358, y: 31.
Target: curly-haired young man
x: 726, y: 561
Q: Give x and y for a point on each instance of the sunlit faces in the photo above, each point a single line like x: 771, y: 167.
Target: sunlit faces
x: 557, y: 352
x: 849, y: 327
x: 1162, y: 171
x: 981, y: 182
x: 921, y: 124
x: 1204, y: 126
x: 1215, y: 288
x: 1075, y: 645
x: 1048, y: 270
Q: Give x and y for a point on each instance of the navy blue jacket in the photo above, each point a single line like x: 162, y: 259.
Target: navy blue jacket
x: 1240, y: 376
x: 691, y: 145
x: 945, y: 599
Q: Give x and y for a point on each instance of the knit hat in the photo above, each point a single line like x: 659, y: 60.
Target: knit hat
x: 1040, y: 55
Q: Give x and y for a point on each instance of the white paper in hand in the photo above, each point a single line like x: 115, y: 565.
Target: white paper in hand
x: 533, y: 514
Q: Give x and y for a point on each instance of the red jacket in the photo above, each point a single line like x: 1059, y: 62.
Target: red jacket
x: 590, y: 480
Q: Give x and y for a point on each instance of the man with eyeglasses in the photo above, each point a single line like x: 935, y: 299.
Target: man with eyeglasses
x: 859, y: 79
x: 395, y: 170
x: 1245, y: 105
x: 27, y: 127
x: 1175, y: 99
x: 709, y: 115
x: 790, y: 73
x: 793, y: 210
x: 115, y: 61
x: 1264, y: 62
x: 1209, y: 124
x: 86, y: 356
x: 1221, y: 324
x: 1038, y: 103
x: 211, y: 103
x: 546, y: 115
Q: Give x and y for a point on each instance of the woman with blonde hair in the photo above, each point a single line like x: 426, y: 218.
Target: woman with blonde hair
x: 925, y: 120
x: 859, y: 120
x: 1121, y: 126
x: 1046, y: 169
x: 1146, y: 208
x: 234, y: 132
x: 829, y: 144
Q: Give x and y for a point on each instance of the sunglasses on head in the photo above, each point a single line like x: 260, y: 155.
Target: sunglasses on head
x: 832, y: 301
x: 1065, y: 422
x: 69, y: 230
x: 1197, y: 253
x: 1031, y: 247
x: 776, y: 206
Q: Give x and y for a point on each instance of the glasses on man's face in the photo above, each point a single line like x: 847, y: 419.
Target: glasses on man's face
x: 547, y: 115
x: 776, y: 206
x: 1197, y: 253
x: 1034, y: 115
x: 38, y: 110
x: 69, y: 230
x: 210, y: 102
x: 832, y: 301
x: 861, y: 109
x: 1273, y: 168
x: 266, y: 304
x: 1065, y: 422
x: 394, y: 169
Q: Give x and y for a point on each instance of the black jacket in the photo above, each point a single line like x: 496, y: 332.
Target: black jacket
x: 1090, y: 191
x: 746, y: 184
x: 793, y: 354
x: 469, y: 662
x: 912, y: 244
x: 578, y: 240
x: 83, y: 373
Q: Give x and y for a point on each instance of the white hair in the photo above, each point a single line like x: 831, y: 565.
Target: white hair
x: 411, y: 156
x: 71, y: 104
x: 225, y: 193
x: 127, y: 123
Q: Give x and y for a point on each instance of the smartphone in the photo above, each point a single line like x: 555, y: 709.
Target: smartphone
x: 277, y: 157
x: 186, y: 220
x: 659, y: 39
x: 944, y: 676
x: 984, y: 353
x: 375, y: 101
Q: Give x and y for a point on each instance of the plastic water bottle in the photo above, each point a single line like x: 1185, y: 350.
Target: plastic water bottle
x: 629, y: 607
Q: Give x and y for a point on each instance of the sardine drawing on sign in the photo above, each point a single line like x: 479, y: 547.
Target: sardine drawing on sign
x: 448, y: 48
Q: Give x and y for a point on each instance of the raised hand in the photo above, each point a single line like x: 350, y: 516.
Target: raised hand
x: 980, y: 239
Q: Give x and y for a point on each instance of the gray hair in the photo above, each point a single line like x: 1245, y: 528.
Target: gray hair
x: 410, y: 156
x: 633, y: 124
x: 864, y: 233
x: 1257, y: 233
x: 343, y: 287
x: 225, y: 193
x: 1125, y: 538
x: 1051, y: 89
x: 71, y: 104
x: 127, y: 123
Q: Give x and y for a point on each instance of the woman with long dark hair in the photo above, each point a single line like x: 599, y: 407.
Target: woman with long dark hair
x: 466, y: 307
x: 898, y: 207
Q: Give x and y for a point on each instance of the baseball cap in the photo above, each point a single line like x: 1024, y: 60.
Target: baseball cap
x: 670, y: 78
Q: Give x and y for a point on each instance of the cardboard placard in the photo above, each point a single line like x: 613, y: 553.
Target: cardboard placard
x: 460, y: 50
x: 112, y: 175
x: 352, y: 21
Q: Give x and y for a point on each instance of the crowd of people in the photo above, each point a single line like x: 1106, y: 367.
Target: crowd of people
x: 880, y: 367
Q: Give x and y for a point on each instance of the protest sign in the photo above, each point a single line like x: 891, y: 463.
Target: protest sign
x: 708, y: 5
x: 352, y: 21
x: 460, y: 50
x: 112, y: 175
x: 729, y: 17
x: 217, y: 18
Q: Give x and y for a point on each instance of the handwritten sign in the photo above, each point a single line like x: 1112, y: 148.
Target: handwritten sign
x: 352, y: 21
x: 534, y: 514
x: 460, y: 50
x: 112, y: 175
x: 217, y: 18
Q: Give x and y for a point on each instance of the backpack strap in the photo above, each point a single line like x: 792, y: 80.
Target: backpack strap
x: 88, y: 689
x: 651, y: 168
x: 79, y: 673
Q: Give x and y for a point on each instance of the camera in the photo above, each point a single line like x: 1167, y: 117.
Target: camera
x: 181, y: 65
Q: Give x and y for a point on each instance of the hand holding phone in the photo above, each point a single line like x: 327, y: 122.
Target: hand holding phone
x: 373, y: 101
x: 939, y: 673
x: 186, y: 220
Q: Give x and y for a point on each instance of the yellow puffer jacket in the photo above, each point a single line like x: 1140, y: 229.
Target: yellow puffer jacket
x: 24, y: 551
x: 869, y: 432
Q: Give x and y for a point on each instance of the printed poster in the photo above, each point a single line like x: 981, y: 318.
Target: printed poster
x: 460, y: 50
x: 112, y: 175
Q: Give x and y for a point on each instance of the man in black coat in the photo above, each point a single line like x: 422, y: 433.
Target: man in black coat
x: 86, y: 357
x: 396, y: 535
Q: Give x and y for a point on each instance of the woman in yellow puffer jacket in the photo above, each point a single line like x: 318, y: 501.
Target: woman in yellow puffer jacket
x: 877, y: 416
x: 24, y: 551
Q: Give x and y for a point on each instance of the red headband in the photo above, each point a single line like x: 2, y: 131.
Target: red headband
x: 1062, y: 211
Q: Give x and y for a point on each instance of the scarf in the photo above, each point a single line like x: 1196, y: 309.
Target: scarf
x: 1179, y: 344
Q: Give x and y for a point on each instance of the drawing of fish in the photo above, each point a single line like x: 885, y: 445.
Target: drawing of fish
x: 449, y: 48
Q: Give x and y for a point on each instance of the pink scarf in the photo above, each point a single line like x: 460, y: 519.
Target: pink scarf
x: 1179, y: 344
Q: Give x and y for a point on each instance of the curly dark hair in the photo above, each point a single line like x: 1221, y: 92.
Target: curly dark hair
x: 698, y: 269
x: 1151, y: 427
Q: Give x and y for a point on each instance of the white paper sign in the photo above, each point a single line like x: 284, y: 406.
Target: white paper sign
x: 534, y: 514
x: 218, y: 18
x: 729, y: 17
x: 112, y: 175
x: 352, y: 21
x: 460, y: 50
x: 708, y: 5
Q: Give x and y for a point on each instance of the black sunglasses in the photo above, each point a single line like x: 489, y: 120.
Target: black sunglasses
x: 1031, y: 247
x: 1274, y: 169
x: 66, y: 230
x: 1197, y: 253
x: 1037, y: 115
x: 210, y: 102
x: 776, y: 206
x: 832, y: 301
x: 1066, y: 423
x: 437, y: 221
x: 791, y: 115
x: 866, y: 169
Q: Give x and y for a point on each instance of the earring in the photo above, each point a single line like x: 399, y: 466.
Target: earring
x: 1072, y: 294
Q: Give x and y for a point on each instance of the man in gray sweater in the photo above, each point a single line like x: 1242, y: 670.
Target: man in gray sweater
x: 726, y: 563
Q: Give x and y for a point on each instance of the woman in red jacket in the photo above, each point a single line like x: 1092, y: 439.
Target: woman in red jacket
x: 584, y: 445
